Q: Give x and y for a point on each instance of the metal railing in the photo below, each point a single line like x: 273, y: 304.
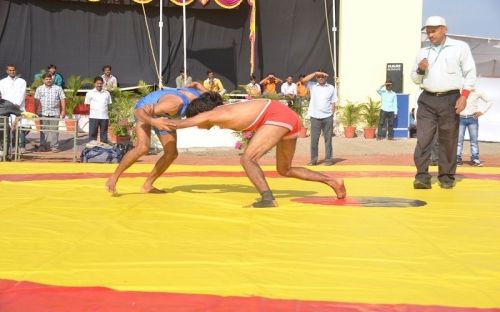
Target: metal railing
x: 4, y: 130
x: 38, y: 125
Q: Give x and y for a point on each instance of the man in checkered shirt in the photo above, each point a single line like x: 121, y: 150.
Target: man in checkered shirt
x: 50, y: 104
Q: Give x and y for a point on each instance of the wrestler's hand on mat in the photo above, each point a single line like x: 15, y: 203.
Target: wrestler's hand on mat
x: 460, y: 104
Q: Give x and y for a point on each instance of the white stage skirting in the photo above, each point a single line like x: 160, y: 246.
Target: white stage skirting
x: 489, y: 123
x: 186, y: 138
x: 215, y: 137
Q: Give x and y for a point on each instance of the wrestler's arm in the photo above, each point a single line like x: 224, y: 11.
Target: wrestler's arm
x: 145, y: 114
x: 216, y: 117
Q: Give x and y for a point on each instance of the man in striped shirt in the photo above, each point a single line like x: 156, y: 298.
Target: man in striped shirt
x: 50, y: 102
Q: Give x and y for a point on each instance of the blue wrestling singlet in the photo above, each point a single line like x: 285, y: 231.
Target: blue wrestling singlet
x: 154, y: 97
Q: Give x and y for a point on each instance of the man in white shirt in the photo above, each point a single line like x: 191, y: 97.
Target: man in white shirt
x: 180, y: 82
x: 98, y: 99
x: 109, y: 80
x: 289, y: 90
x: 447, y: 73
x: 13, y: 89
x: 321, y: 108
x: 478, y: 103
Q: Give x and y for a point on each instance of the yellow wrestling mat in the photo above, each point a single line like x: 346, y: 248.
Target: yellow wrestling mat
x: 387, y: 244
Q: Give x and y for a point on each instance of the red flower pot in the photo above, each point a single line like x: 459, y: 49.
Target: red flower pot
x: 369, y: 133
x: 29, y: 104
x: 350, y: 132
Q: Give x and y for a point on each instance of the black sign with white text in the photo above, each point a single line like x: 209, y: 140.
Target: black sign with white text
x: 394, y: 73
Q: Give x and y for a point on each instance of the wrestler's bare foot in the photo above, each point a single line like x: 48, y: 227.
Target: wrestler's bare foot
x: 111, y: 186
x: 152, y: 190
x: 338, y: 186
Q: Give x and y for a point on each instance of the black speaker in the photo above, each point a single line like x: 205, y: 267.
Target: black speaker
x: 394, y: 73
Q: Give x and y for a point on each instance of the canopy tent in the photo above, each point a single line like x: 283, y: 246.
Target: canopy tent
x: 486, y: 52
x: 79, y: 37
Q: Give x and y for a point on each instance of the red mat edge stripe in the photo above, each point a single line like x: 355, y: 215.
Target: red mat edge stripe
x: 270, y: 174
x: 33, y: 297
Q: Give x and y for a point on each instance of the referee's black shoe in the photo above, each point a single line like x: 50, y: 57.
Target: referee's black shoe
x: 421, y: 185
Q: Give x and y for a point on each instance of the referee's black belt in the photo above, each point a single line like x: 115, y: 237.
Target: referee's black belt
x: 441, y: 93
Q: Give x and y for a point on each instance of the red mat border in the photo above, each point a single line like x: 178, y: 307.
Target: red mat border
x: 25, y: 296
x: 223, y: 174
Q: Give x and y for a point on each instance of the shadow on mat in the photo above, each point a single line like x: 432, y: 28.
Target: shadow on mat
x: 235, y: 188
x: 223, y: 188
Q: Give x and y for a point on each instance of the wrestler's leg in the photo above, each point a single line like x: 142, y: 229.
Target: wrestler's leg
x: 169, y: 143
x: 284, y: 156
x: 263, y: 140
x: 141, y: 148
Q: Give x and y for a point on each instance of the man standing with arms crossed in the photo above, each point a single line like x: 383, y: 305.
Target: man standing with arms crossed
x: 446, y: 72
x: 478, y: 103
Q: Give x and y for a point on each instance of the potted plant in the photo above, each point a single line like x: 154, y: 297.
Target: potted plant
x: 120, y: 132
x: 30, y: 104
x: 300, y: 106
x: 370, y: 113
x: 121, y: 113
x: 349, y: 116
x: 73, y: 85
x: 244, y: 138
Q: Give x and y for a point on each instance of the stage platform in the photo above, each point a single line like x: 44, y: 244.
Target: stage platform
x: 67, y: 245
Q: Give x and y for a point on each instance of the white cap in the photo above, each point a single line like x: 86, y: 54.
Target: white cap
x: 434, y: 21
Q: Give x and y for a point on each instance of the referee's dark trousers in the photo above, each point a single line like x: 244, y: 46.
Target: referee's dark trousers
x: 437, y: 111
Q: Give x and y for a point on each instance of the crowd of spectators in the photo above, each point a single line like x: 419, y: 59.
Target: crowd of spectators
x: 50, y: 104
x: 311, y: 91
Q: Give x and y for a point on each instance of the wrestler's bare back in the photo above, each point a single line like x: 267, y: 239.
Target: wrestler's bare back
x: 246, y: 113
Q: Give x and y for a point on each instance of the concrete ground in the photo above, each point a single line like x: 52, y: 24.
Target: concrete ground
x: 345, y: 151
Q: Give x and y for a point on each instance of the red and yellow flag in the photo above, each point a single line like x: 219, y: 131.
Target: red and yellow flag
x: 253, y: 28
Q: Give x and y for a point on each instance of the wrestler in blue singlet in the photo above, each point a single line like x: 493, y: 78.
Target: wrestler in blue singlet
x: 153, y: 98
